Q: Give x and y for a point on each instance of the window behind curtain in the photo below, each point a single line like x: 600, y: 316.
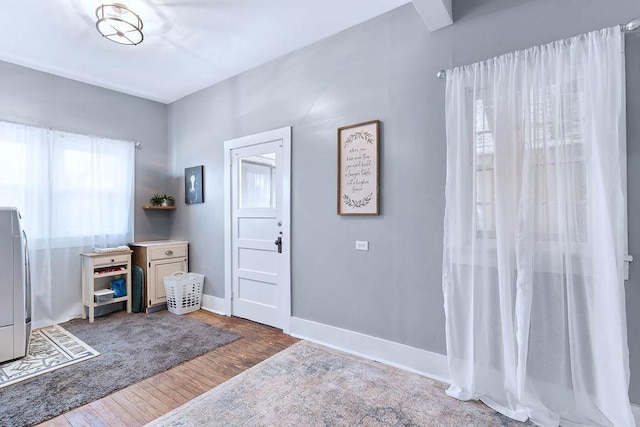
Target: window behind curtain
x: 558, y: 157
x: 82, y: 184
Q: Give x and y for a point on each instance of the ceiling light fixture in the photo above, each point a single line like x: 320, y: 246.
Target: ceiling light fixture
x: 119, y: 24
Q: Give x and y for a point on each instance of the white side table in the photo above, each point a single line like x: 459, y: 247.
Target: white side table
x: 97, y: 271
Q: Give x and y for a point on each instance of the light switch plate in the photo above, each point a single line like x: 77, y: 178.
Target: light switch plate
x: 362, y: 245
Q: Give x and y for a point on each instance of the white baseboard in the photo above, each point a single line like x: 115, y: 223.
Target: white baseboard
x: 214, y: 304
x: 432, y: 365
x: 635, y: 410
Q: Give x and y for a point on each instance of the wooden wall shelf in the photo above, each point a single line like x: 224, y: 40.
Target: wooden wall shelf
x: 159, y: 208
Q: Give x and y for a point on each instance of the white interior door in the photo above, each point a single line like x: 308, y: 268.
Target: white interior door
x: 258, y: 255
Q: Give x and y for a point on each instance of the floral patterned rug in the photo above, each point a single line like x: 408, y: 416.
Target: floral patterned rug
x: 312, y: 385
x: 51, y: 348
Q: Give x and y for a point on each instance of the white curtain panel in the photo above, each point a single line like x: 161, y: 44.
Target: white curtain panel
x: 535, y: 233
x: 74, y: 192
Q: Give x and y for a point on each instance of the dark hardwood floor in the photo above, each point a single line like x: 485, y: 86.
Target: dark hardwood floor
x: 145, y: 401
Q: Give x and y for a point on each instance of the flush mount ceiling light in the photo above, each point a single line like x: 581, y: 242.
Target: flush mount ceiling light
x: 119, y: 24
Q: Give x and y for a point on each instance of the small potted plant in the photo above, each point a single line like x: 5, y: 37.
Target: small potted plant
x: 156, y: 200
x: 162, y: 200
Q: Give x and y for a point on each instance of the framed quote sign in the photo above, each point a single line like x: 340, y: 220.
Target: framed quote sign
x: 358, y: 169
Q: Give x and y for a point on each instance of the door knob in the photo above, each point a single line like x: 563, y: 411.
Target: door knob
x: 278, y: 243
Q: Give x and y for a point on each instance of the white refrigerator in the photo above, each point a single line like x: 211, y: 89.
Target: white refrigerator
x: 15, y: 287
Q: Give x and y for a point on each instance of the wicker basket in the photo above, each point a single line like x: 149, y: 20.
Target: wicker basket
x: 184, y: 292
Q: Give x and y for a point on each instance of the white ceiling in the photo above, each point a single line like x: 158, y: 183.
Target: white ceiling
x: 188, y: 45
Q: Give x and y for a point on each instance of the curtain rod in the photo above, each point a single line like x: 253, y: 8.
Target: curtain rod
x: 630, y: 26
x: 136, y: 144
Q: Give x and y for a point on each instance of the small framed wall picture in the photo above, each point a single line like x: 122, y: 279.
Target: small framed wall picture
x: 358, y: 169
x: 194, y: 185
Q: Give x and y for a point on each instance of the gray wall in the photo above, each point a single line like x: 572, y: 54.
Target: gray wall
x: 41, y: 99
x: 383, y: 69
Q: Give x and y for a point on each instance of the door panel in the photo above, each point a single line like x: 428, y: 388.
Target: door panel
x: 255, y: 205
x: 255, y: 291
x: 257, y: 260
x: 255, y: 228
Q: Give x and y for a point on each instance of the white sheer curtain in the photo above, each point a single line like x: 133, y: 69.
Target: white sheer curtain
x: 535, y: 233
x: 74, y: 192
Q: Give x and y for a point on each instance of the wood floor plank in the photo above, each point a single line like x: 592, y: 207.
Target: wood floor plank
x: 89, y: 417
x: 179, y: 389
x: 168, y: 396
x: 147, y: 400
x: 59, y: 421
x: 151, y: 404
x: 107, y: 414
x: 130, y: 408
x: 145, y: 411
x: 77, y: 419
x: 121, y: 412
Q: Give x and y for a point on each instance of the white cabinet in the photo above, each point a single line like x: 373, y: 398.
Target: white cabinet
x: 158, y: 259
x: 98, y: 269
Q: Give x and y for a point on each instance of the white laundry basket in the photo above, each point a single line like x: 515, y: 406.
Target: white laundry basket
x: 184, y: 292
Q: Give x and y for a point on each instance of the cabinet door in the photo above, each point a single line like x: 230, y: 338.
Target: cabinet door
x: 157, y: 272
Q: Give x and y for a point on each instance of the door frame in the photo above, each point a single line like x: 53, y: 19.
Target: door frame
x: 283, y: 134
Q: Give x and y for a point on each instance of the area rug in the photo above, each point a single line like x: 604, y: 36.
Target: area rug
x: 50, y: 348
x: 311, y: 385
x: 132, y: 347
